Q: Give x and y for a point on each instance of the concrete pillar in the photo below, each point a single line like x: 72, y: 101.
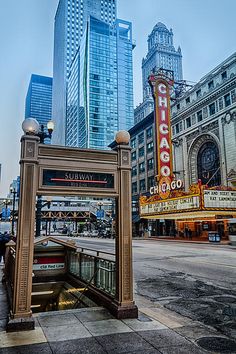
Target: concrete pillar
x: 123, y: 306
x: 21, y: 307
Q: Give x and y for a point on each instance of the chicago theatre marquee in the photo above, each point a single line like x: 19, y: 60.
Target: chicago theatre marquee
x: 195, y: 156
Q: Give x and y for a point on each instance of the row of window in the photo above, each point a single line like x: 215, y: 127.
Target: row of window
x: 149, y: 134
x: 210, y: 110
x: 141, y: 151
x: 210, y: 85
x: 142, y: 185
x: 141, y: 167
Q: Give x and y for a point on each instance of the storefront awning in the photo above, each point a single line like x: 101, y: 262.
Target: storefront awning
x: 200, y: 215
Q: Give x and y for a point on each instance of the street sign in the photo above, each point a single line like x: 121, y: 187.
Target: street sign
x: 100, y: 214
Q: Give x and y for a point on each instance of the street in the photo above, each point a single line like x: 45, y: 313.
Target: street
x: 195, y: 280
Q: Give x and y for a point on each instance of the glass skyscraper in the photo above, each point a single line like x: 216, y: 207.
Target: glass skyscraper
x: 100, y: 85
x: 38, y: 102
x: 70, y: 24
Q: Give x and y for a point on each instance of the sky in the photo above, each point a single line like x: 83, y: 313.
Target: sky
x: 204, y: 29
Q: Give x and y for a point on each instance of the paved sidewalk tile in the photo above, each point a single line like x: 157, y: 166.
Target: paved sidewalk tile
x: 124, y: 343
x: 29, y: 349
x: 137, y: 325
x: 66, y: 332
x: 100, y: 328
x: 13, y: 339
x: 163, y: 338
x: 57, y: 320
x: 167, y: 317
x: 77, y: 346
x: 90, y: 316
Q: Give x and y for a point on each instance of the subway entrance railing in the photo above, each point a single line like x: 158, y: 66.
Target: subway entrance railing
x: 87, y: 279
x: 95, y: 268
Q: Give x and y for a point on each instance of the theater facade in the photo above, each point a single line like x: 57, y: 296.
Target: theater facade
x: 202, y: 146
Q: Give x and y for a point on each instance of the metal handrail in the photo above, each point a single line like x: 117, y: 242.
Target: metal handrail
x: 94, y: 270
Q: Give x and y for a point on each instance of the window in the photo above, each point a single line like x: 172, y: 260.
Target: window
x: 150, y: 147
x: 211, y: 85
x: 178, y: 106
x: 141, y: 138
x: 141, y: 167
x: 150, y: 181
x: 212, y: 109
x: 224, y: 75
x: 150, y: 164
x: 133, y: 155
x: 199, y: 116
x: 134, y: 187
x: 187, y: 100
x: 177, y: 128
x: 188, y: 122
x: 198, y: 93
x: 141, y: 152
x: 149, y: 132
x: 133, y: 143
x: 134, y: 171
x: 227, y: 100
x: 142, y: 185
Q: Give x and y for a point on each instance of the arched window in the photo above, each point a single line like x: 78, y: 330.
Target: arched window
x: 208, y: 164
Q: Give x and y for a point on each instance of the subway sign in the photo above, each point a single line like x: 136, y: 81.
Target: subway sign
x: 79, y: 179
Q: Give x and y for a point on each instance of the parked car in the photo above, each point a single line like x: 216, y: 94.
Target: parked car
x: 94, y: 233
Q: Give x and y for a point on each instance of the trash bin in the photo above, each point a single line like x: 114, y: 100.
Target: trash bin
x: 213, y: 236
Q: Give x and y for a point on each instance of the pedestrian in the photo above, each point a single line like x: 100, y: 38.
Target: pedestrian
x: 186, y: 232
x: 4, y: 238
x: 190, y: 234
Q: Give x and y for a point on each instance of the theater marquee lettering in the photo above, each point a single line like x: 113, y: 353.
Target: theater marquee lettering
x: 80, y: 179
x: 188, y: 203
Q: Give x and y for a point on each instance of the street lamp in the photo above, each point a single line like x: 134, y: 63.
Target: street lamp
x: 6, y: 202
x: 14, y: 192
x: 31, y: 126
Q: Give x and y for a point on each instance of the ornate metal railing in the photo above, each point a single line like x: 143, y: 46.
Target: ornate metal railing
x: 96, y: 268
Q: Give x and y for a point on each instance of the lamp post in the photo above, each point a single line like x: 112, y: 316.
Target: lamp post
x: 6, y: 202
x: 14, y: 192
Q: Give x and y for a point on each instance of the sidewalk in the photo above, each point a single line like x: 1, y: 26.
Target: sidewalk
x: 177, y: 239
x: 94, y: 330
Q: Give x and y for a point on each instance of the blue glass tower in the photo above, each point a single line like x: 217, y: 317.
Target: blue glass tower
x: 100, y: 85
x: 70, y: 24
x: 38, y: 102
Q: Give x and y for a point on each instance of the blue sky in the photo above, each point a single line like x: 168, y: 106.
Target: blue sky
x: 205, y: 30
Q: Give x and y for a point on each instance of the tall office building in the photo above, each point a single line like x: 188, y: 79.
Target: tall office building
x: 70, y: 24
x: 161, y: 54
x: 100, y: 85
x: 38, y: 102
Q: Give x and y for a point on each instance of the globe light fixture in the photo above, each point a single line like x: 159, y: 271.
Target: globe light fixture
x: 122, y: 137
x: 30, y: 126
x: 50, y: 127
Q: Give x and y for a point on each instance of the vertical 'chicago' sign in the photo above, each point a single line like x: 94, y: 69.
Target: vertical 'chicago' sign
x: 161, y: 94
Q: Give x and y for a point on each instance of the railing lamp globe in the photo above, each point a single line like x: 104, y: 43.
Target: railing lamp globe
x: 30, y: 126
x: 122, y: 137
x: 50, y: 126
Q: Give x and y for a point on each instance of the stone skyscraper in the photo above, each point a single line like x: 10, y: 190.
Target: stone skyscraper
x: 161, y: 54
